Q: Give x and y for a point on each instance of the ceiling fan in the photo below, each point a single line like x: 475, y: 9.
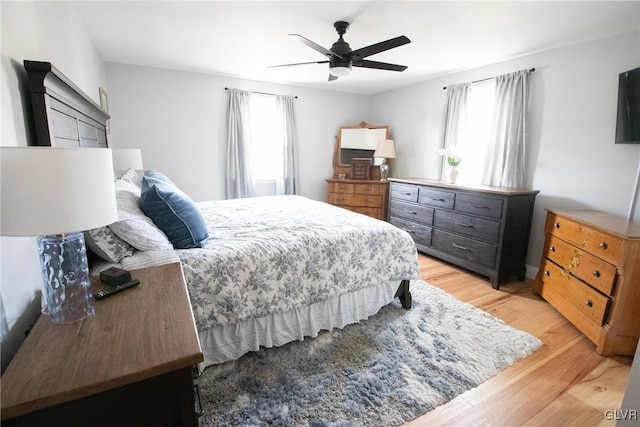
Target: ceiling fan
x: 342, y: 58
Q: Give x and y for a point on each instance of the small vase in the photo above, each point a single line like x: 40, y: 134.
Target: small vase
x: 452, y: 174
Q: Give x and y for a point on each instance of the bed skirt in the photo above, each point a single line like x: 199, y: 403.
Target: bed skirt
x: 230, y: 342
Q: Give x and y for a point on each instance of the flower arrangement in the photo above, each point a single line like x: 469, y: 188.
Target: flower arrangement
x: 453, y: 155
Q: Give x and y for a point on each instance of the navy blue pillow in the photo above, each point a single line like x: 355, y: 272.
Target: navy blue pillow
x: 173, y: 212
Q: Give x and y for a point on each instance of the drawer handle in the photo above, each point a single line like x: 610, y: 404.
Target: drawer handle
x: 406, y: 194
x: 556, y: 225
x: 552, y: 248
x: 438, y: 199
x: 464, y: 248
x: 589, y: 303
x: 410, y: 212
x: 409, y: 230
x: 604, y: 245
x: 596, y: 273
x: 546, y: 273
x: 462, y: 224
x: 478, y: 206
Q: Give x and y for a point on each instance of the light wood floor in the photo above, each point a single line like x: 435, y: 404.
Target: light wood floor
x: 564, y: 383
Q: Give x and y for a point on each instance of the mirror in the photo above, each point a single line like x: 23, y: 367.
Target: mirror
x: 357, y: 142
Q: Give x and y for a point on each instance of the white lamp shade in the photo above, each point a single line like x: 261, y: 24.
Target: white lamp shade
x: 127, y: 158
x: 385, y: 149
x: 340, y: 71
x: 47, y: 191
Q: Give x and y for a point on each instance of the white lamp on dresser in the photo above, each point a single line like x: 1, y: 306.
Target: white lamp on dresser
x: 385, y: 150
x: 56, y: 193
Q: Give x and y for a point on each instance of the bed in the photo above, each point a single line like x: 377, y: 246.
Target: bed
x: 271, y: 270
x: 260, y: 271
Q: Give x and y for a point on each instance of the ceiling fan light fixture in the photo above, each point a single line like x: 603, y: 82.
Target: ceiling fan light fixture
x: 340, y: 71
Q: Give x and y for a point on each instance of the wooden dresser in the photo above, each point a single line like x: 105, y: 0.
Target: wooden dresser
x: 483, y: 229
x: 590, y: 272
x: 130, y: 364
x: 365, y: 197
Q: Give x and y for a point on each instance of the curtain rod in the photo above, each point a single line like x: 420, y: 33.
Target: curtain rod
x: 262, y: 93
x: 531, y: 70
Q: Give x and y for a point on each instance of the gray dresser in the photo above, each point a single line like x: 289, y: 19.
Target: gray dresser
x: 483, y: 229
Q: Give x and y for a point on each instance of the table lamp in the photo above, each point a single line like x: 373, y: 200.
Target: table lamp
x: 385, y: 150
x: 56, y: 193
x: 125, y: 159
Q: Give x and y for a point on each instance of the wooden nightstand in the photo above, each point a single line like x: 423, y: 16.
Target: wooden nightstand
x: 130, y: 364
x: 368, y: 197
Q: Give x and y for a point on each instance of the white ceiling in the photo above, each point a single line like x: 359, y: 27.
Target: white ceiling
x: 241, y: 38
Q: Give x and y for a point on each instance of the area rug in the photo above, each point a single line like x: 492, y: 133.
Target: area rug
x: 392, y: 368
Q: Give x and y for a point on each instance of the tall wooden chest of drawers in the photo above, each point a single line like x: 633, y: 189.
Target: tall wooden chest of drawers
x: 362, y: 196
x: 590, y: 272
x: 483, y: 229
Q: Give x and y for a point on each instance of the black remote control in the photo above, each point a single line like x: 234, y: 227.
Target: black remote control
x: 103, y: 294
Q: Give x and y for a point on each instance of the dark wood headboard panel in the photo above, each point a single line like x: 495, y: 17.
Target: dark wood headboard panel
x: 64, y: 115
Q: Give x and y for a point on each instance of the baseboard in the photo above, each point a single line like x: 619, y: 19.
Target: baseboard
x: 531, y: 272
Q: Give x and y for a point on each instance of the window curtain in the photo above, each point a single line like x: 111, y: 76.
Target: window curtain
x: 288, y: 184
x: 505, y: 160
x: 454, y: 120
x: 238, y: 178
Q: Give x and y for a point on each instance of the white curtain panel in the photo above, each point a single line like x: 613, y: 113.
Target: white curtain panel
x: 238, y: 177
x: 454, y: 120
x: 505, y: 161
x: 288, y: 184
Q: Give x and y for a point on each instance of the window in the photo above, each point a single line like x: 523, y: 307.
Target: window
x: 267, y: 141
x: 480, y: 114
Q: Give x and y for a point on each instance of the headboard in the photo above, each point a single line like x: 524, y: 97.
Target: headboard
x: 64, y: 115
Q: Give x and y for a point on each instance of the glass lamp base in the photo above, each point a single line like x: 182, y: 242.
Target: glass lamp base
x: 65, y: 275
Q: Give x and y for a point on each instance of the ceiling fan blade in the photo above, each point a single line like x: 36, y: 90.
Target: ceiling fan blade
x: 380, y: 47
x: 297, y: 63
x: 332, y: 77
x: 315, y: 46
x: 379, y: 65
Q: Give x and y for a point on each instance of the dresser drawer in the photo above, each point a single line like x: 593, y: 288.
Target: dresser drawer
x: 441, y: 199
x: 341, y: 187
x: 354, y: 200
x: 372, y: 189
x: 467, y: 225
x: 365, y: 210
x: 576, y: 293
x: 420, y: 234
x: 479, y: 205
x: 465, y: 248
x: 408, y: 193
x: 598, y: 273
x: 412, y: 212
x: 598, y: 243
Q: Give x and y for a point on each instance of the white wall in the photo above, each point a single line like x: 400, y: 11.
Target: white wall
x: 179, y: 121
x: 571, y: 158
x: 43, y: 31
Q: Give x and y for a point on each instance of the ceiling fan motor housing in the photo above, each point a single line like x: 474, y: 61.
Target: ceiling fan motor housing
x: 341, y: 48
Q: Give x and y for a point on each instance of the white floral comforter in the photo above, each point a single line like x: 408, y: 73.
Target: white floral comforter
x: 272, y: 254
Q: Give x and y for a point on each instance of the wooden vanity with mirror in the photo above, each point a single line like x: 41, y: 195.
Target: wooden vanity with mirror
x: 365, y: 196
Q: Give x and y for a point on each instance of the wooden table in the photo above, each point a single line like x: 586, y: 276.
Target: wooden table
x: 129, y: 364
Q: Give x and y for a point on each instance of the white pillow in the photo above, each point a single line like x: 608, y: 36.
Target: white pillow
x: 123, y: 185
x: 132, y: 177
x: 133, y: 226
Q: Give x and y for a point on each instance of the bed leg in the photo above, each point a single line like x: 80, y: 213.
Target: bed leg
x: 404, y: 294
